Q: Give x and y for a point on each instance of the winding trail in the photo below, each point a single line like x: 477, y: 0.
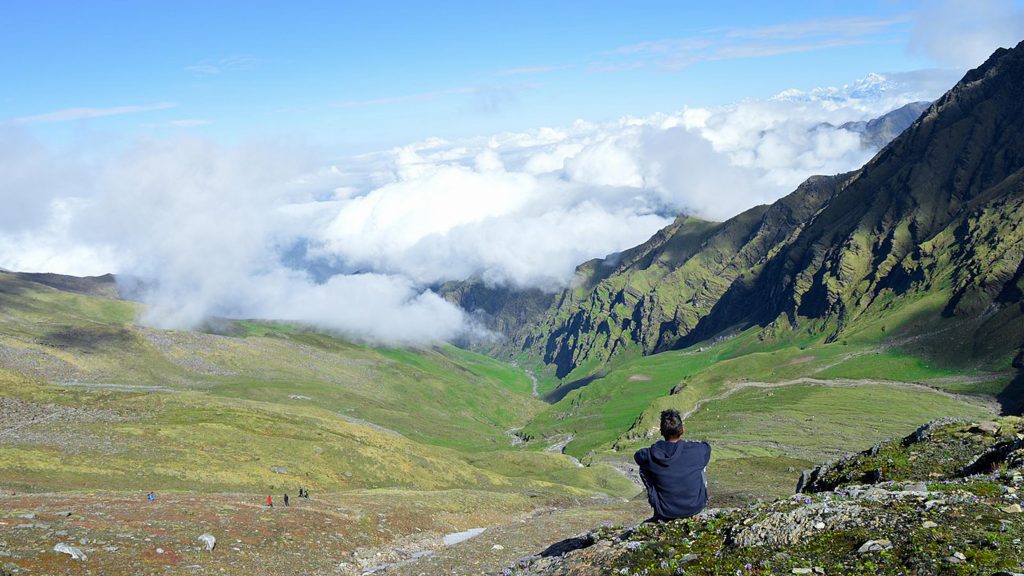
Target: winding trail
x: 533, y: 379
x: 46, y: 418
x: 116, y: 387
x: 988, y: 404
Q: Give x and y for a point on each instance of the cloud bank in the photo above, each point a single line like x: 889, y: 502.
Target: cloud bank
x: 963, y: 33
x: 353, y: 245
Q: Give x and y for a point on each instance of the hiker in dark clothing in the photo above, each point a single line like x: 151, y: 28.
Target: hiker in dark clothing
x: 674, y: 472
x: 286, y: 499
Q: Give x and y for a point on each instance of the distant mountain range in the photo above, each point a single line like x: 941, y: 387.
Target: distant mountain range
x: 925, y: 240
x: 878, y: 132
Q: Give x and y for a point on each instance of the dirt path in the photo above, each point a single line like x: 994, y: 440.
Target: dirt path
x: 115, y: 387
x: 988, y: 404
x: 500, y: 546
x: 533, y: 379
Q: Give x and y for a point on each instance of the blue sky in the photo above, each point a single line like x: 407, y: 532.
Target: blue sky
x: 361, y: 76
x: 272, y: 160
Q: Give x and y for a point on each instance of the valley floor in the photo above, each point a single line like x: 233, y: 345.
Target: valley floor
x: 386, y: 531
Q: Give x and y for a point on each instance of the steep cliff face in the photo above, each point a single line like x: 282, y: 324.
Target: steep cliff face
x: 938, y: 213
x: 650, y: 296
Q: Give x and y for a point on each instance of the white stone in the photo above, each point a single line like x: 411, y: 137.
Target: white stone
x: 73, y: 551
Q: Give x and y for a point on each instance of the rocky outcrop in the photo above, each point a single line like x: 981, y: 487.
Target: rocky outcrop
x: 956, y: 509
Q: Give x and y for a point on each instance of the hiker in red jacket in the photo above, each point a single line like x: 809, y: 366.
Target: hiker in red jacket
x: 270, y: 501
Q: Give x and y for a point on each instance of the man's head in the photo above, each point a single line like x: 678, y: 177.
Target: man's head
x: 671, y: 424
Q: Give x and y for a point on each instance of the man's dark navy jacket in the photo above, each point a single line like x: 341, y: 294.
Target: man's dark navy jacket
x: 674, y: 475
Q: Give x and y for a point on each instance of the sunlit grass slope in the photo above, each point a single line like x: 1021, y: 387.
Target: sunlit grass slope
x: 257, y: 406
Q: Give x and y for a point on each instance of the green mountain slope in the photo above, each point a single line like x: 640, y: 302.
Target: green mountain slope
x: 925, y: 240
x: 90, y: 400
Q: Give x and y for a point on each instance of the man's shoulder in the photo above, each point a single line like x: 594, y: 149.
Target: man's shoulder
x: 698, y: 445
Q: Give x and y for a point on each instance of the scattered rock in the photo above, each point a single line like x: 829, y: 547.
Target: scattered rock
x: 874, y: 546
x: 278, y: 469
x: 73, y: 551
x: 986, y: 427
x: 208, y: 540
x: 64, y: 514
x: 1011, y: 509
x: 803, y: 570
x: 927, y: 524
x: 497, y: 547
x: 159, y: 550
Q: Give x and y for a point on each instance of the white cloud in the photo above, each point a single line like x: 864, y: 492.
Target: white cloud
x: 522, y: 70
x: 183, y: 123
x: 221, y: 65
x: 752, y: 42
x: 69, y: 114
x: 963, y: 33
x: 273, y: 231
x: 483, y: 95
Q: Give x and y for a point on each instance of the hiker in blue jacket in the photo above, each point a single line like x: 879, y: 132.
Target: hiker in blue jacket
x: 674, y: 472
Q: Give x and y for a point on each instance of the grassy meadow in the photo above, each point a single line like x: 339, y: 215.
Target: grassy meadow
x: 258, y: 406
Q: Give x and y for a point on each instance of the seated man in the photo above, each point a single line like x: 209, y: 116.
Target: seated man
x: 674, y: 472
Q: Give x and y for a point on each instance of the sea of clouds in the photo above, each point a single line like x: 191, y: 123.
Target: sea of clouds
x: 281, y: 231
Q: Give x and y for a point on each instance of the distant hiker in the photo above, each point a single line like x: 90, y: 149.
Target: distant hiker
x: 674, y: 472
x: 151, y: 497
x: 286, y: 499
x: 270, y: 501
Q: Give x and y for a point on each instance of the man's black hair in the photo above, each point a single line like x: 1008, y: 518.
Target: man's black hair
x: 671, y: 424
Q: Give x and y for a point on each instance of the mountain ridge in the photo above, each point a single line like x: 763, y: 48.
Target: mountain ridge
x: 936, y: 214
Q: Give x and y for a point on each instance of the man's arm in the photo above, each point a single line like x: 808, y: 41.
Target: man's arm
x: 640, y: 457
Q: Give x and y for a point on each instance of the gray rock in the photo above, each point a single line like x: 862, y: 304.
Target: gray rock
x: 874, y: 546
x: 208, y: 540
x: 73, y: 551
x: 278, y: 469
x: 986, y: 427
